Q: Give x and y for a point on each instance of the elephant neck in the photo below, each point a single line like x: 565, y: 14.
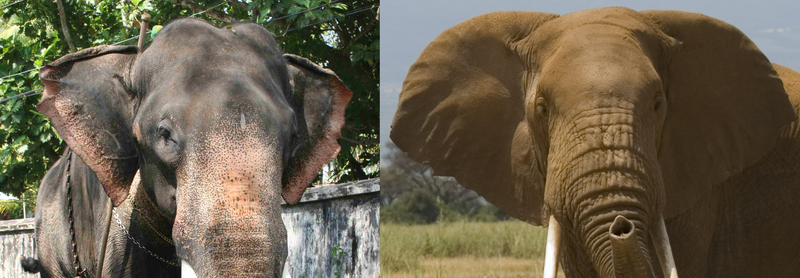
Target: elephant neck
x: 145, y: 228
x: 145, y: 215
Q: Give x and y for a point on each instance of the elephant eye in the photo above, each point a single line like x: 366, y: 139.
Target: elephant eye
x: 659, y: 102
x: 164, y: 132
x: 167, y: 146
x: 541, y: 107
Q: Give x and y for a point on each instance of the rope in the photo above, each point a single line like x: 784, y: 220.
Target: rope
x: 116, y: 43
x: 23, y: 95
x: 301, y: 12
x: 9, y: 5
x: 20, y: 73
x: 34, y: 92
x: 332, y: 19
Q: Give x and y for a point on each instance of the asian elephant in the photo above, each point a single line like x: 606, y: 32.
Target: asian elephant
x: 628, y: 130
x: 196, y: 140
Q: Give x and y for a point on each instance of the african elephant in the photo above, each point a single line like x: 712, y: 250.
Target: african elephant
x: 627, y: 130
x: 220, y: 127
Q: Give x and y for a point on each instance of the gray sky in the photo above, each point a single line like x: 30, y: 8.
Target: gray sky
x: 407, y: 26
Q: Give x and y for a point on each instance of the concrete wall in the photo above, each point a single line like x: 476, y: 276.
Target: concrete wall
x: 332, y: 232
x: 16, y: 239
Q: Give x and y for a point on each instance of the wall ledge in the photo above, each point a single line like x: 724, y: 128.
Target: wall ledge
x: 340, y: 190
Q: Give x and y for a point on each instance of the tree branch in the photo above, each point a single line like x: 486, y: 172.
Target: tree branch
x: 355, y: 39
x: 64, y: 27
x: 237, y: 3
x: 361, y: 142
x: 355, y: 166
x: 210, y: 13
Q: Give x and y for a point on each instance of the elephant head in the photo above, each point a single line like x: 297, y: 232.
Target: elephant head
x: 221, y: 125
x: 607, y: 120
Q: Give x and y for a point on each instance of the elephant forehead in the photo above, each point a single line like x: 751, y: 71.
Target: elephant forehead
x: 595, y: 83
x: 235, y: 166
x: 613, y: 16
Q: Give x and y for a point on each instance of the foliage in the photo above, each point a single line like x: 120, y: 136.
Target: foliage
x: 402, y: 246
x: 342, y: 36
x: 337, y: 254
x: 417, y: 207
x: 13, y: 209
x: 401, y: 174
x: 420, y: 206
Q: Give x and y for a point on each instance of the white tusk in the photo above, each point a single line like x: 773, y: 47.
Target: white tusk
x: 186, y: 270
x: 551, y: 250
x: 663, y: 249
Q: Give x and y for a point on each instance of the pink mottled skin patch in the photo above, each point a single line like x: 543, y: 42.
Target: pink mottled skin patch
x: 70, y: 120
x: 326, y: 146
x: 241, y: 192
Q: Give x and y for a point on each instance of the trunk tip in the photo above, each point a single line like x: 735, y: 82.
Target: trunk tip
x: 621, y: 228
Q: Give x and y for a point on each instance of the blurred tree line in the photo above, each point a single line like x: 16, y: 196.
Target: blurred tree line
x: 411, y: 194
x: 342, y: 35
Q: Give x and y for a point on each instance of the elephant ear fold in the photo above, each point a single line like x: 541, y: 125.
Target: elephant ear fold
x: 88, y: 103
x: 462, y: 111
x: 319, y: 99
x: 726, y: 105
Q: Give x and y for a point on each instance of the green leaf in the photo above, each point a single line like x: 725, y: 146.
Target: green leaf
x: 265, y: 10
x: 11, y: 31
x: 156, y: 28
x: 340, y: 6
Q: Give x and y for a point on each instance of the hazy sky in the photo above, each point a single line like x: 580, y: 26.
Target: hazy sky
x: 407, y: 26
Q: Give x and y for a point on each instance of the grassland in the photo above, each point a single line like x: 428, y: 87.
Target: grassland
x: 462, y: 249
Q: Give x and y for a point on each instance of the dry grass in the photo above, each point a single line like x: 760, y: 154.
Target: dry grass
x: 465, y: 249
x: 472, y: 267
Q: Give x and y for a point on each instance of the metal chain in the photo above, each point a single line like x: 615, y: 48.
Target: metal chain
x: 119, y: 222
x: 80, y: 272
x: 167, y: 240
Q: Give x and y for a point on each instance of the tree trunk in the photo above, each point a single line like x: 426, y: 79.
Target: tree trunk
x: 64, y: 27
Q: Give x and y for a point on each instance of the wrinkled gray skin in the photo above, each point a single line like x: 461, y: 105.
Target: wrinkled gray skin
x: 609, y: 113
x: 219, y: 125
x: 89, y: 203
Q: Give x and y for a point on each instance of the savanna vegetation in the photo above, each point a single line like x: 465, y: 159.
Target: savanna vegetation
x: 433, y: 227
x: 462, y: 249
x: 342, y: 35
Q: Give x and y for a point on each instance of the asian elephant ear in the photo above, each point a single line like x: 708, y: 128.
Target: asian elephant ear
x: 87, y: 99
x: 319, y: 98
x: 461, y: 111
x: 725, y: 107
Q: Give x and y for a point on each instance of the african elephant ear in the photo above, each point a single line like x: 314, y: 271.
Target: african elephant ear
x: 87, y: 101
x: 461, y: 111
x: 319, y: 98
x: 726, y: 105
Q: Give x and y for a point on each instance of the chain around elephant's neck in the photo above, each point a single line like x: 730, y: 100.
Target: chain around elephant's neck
x: 79, y: 271
x: 149, y: 214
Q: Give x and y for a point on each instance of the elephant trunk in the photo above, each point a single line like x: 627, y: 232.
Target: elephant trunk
x: 235, y: 249
x: 616, y: 243
x: 626, y: 252
x: 605, y: 179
